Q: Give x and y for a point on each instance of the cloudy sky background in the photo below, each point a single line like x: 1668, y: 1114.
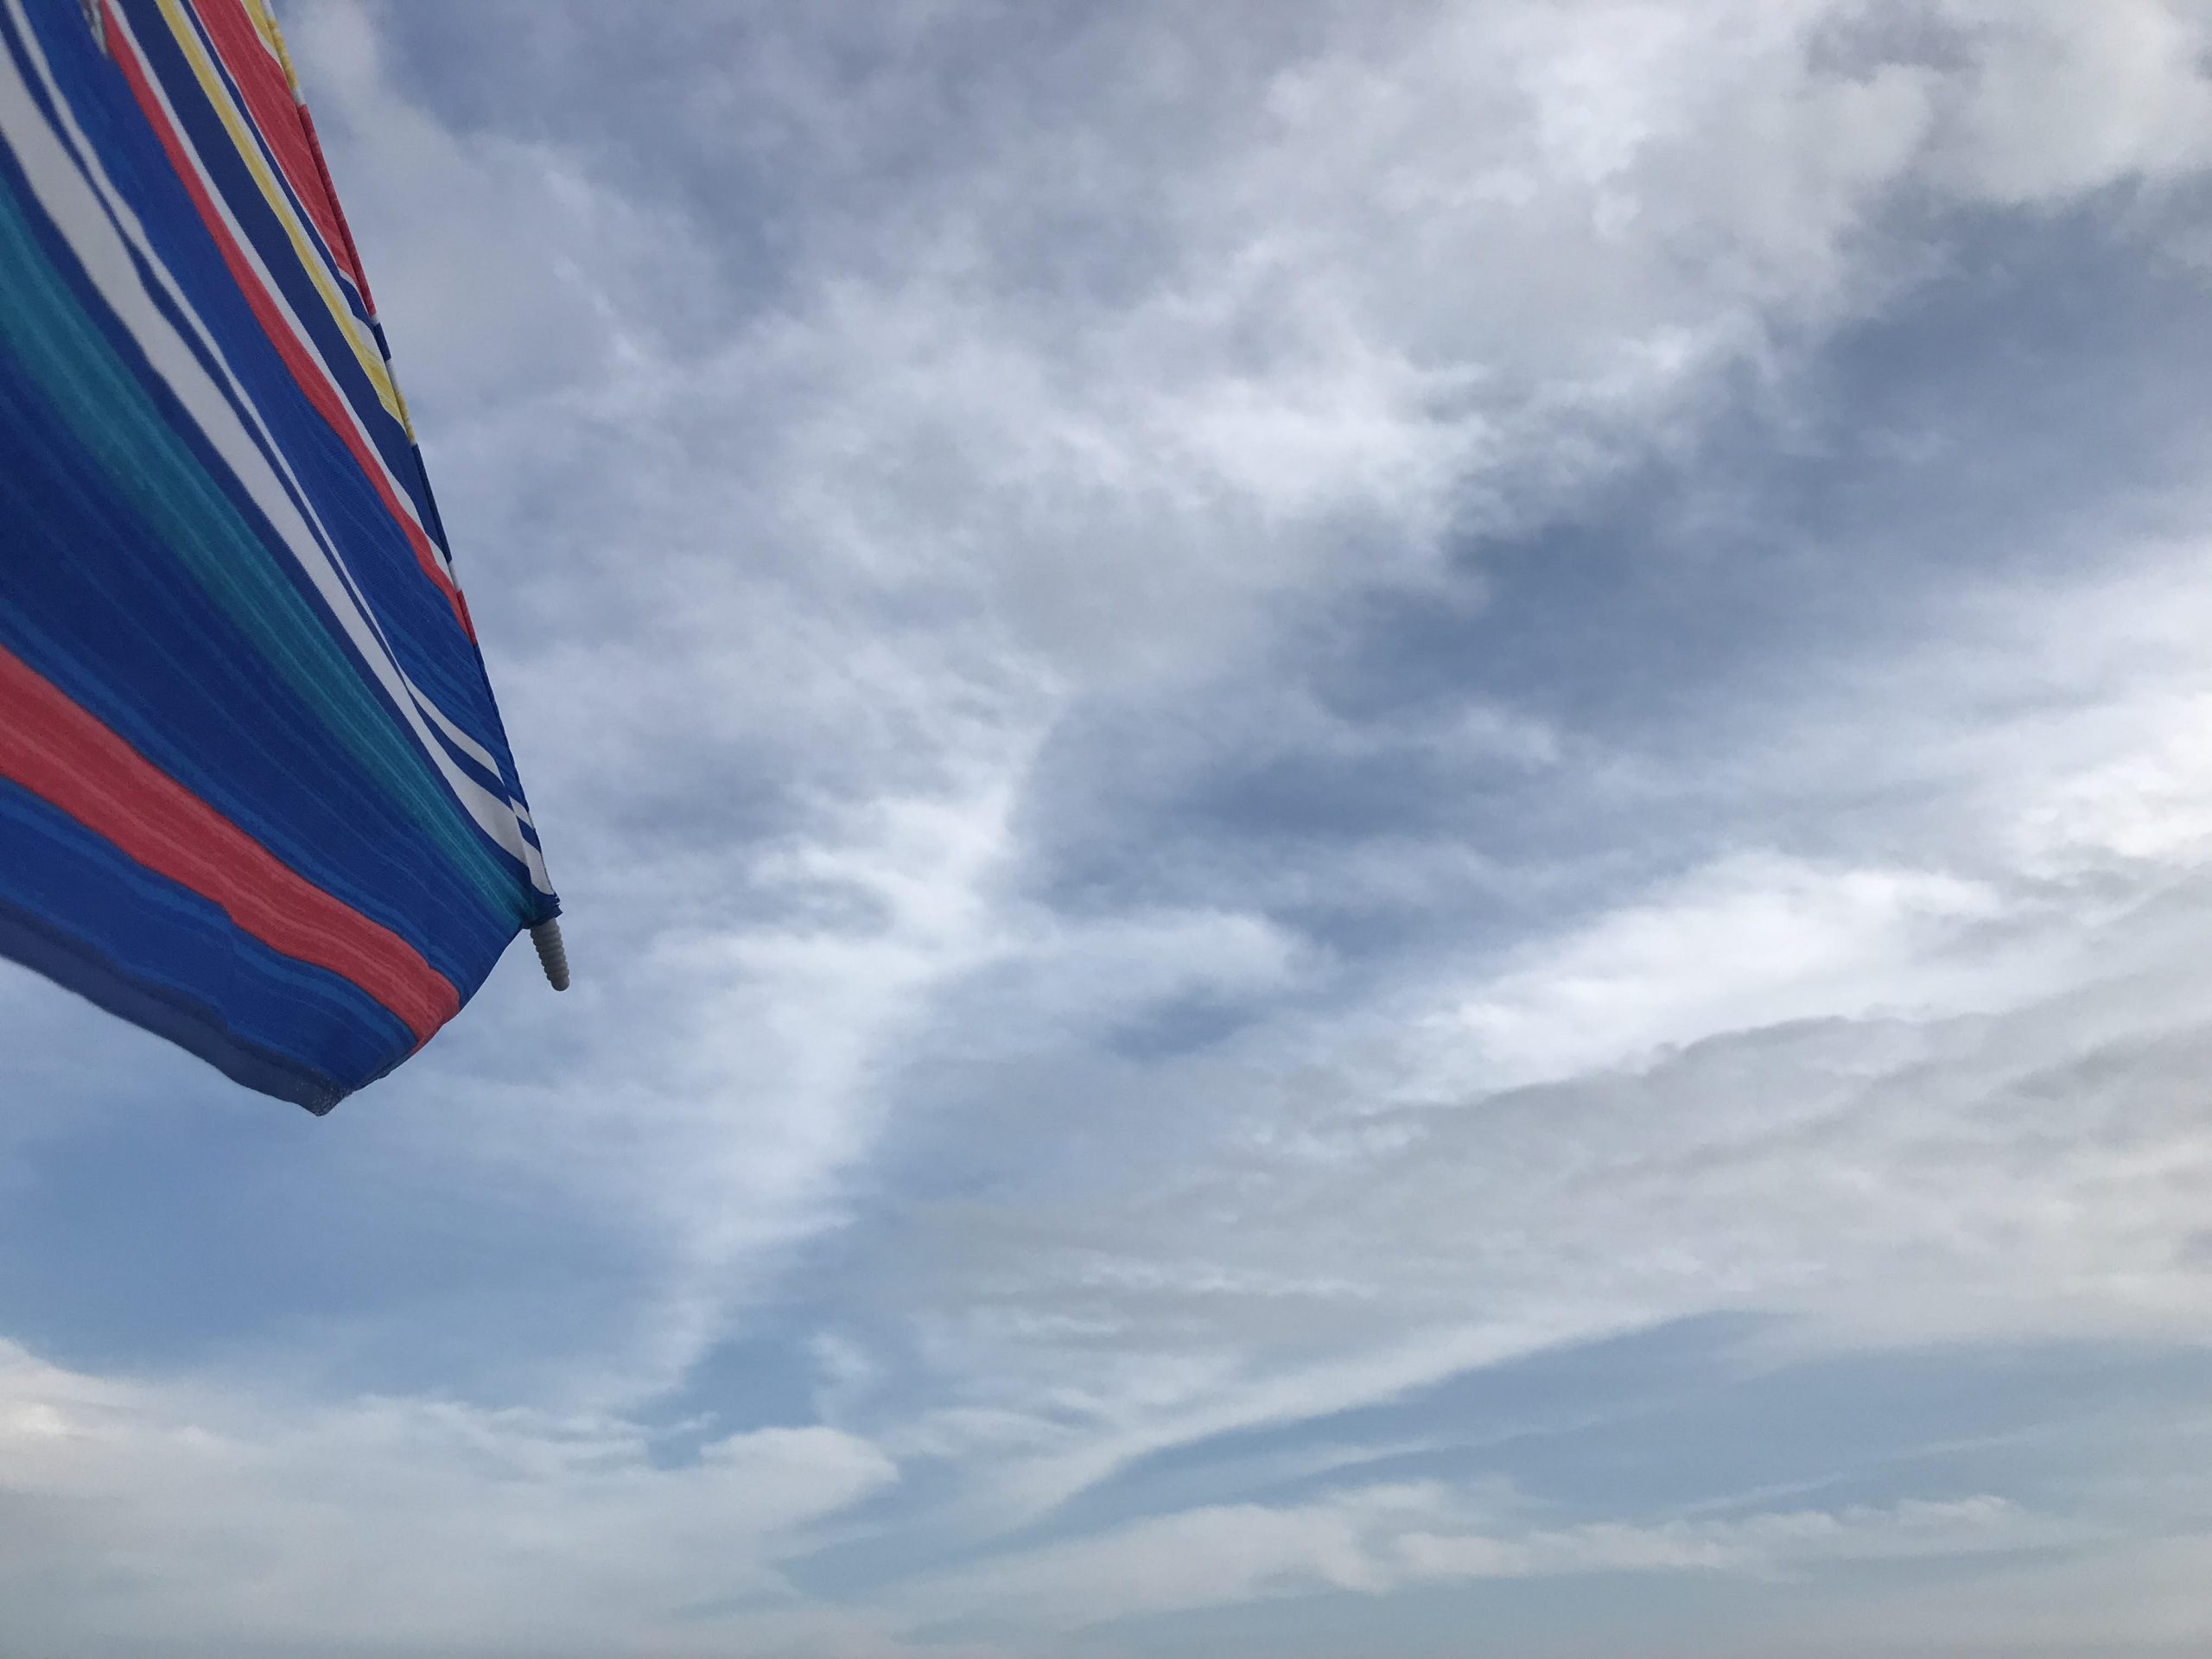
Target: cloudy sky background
x: 1388, y: 831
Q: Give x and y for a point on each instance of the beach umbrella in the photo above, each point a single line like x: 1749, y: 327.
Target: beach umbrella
x: 255, y: 793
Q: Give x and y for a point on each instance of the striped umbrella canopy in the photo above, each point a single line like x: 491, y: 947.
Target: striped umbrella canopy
x: 255, y: 794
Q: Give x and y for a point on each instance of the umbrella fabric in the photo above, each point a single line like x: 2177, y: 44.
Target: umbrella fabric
x: 255, y: 794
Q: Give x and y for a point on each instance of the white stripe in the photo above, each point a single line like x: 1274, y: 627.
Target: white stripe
x: 245, y: 245
x: 461, y: 739
x: 62, y: 191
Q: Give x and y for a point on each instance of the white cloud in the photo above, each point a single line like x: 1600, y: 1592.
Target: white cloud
x: 177, y: 1510
x: 1753, y: 940
x: 2060, y: 99
x: 1374, y: 1541
x: 1775, y: 1083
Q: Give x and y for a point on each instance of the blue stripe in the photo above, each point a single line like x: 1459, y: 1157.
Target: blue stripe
x: 82, y: 912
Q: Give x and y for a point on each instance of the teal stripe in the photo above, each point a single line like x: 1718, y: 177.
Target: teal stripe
x: 148, y: 465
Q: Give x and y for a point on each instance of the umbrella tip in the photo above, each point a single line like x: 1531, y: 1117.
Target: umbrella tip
x: 552, y: 955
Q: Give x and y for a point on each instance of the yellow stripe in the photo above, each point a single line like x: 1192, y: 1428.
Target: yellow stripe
x: 211, y: 83
x: 266, y: 21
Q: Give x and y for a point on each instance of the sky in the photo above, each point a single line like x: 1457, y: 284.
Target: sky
x: 1388, y: 831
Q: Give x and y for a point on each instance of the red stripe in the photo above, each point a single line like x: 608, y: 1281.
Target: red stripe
x: 269, y: 99
x: 62, y: 754
x: 313, y: 378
